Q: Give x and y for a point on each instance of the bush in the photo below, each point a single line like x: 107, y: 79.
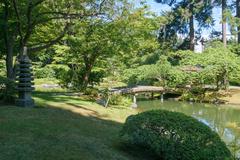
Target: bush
x: 60, y: 70
x: 174, y: 136
x: 7, y: 90
x: 161, y: 73
x: 117, y: 99
x: 91, y: 92
x: 45, y: 72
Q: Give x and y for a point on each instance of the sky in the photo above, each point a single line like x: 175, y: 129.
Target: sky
x: 158, y: 8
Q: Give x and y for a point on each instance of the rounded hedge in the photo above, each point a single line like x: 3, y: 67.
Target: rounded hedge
x: 174, y: 136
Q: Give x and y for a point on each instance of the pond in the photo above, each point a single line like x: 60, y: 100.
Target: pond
x: 224, y: 119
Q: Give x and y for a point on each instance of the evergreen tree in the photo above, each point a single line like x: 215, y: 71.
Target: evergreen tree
x: 224, y: 22
x: 185, y: 13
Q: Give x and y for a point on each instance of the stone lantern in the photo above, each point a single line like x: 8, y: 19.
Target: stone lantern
x: 24, y: 81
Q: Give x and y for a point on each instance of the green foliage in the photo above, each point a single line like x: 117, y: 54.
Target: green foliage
x: 7, y: 90
x: 44, y: 72
x: 219, y: 65
x: 97, y: 45
x: 178, y: 19
x: 73, y: 78
x: 2, y: 68
x: 117, y: 99
x: 91, y: 92
x: 60, y: 70
x: 177, y: 56
x: 235, y: 48
x: 162, y: 74
x: 173, y: 136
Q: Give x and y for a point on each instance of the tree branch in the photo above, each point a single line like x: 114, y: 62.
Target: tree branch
x: 29, y: 22
x: 5, y: 26
x: 18, y: 21
x: 38, y: 2
x: 101, y: 5
x: 40, y: 47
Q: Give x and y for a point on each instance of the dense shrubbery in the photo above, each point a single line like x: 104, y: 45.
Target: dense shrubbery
x: 119, y: 100
x: 7, y: 90
x: 45, y: 72
x: 115, y: 99
x: 161, y: 73
x: 216, y: 66
x: 174, y: 136
x: 219, y: 66
x: 73, y: 78
x: 59, y: 70
x: 50, y: 71
x: 91, y: 92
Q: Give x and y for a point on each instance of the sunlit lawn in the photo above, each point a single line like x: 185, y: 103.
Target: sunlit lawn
x: 62, y: 128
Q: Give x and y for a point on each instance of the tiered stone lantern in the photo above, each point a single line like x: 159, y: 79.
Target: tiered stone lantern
x: 24, y: 81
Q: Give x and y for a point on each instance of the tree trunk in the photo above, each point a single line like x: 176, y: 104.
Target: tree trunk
x: 238, y: 16
x: 191, y: 26
x: 9, y: 62
x: 224, y: 23
x: 86, y: 74
x: 8, y: 42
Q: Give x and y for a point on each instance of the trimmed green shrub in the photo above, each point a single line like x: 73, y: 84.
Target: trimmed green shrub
x: 7, y: 90
x: 173, y: 136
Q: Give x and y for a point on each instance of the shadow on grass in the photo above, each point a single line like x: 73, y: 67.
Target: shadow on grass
x: 57, y: 133
x: 62, y: 97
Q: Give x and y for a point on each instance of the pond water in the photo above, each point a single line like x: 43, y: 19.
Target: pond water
x: 224, y: 119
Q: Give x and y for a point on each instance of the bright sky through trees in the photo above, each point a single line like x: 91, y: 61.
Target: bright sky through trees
x: 158, y: 8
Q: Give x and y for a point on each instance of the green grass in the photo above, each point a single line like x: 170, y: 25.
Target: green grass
x: 46, y: 81
x: 50, y: 81
x: 63, y: 128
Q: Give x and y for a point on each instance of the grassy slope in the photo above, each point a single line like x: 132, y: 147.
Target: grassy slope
x: 65, y: 128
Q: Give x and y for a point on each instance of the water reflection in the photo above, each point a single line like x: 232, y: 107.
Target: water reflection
x: 224, y: 119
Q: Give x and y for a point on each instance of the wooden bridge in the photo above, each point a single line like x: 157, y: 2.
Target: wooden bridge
x: 155, y: 89
x: 152, y: 89
x: 140, y: 89
x: 137, y: 89
x: 160, y: 90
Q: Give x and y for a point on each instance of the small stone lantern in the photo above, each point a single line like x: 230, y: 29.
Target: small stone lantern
x: 24, y: 81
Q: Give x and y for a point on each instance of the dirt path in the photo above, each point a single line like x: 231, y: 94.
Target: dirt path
x: 235, y: 96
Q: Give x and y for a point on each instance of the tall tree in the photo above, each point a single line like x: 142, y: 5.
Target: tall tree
x: 169, y: 2
x: 186, y: 13
x: 191, y: 27
x: 20, y: 19
x: 238, y: 16
x: 224, y: 22
x: 95, y: 42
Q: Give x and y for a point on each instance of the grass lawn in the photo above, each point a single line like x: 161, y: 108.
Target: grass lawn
x: 63, y: 128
